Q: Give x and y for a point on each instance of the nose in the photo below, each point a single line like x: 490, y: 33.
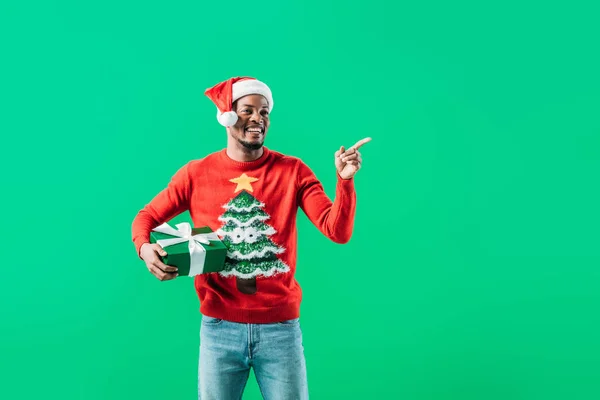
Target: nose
x: 257, y: 117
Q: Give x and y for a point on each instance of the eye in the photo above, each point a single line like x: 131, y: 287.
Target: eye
x: 265, y: 112
x: 237, y: 236
x: 245, y: 110
x: 251, y: 235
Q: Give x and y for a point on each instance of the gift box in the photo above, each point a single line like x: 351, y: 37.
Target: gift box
x: 193, y: 251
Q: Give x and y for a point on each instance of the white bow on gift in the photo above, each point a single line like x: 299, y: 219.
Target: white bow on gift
x: 183, y: 233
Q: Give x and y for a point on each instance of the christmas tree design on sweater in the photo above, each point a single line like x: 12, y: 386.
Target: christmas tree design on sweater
x: 246, y: 235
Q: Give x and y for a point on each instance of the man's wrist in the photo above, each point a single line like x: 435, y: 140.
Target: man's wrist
x: 141, y: 248
x: 344, y: 179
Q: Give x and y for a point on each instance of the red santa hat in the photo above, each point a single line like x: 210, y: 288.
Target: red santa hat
x: 225, y: 93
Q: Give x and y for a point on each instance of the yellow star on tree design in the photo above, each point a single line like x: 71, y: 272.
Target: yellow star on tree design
x: 243, y: 182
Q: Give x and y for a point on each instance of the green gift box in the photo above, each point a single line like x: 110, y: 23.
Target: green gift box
x: 193, y: 251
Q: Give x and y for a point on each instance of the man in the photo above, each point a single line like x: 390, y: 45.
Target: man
x: 250, y: 196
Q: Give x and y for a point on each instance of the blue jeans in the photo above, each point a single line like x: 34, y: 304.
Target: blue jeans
x: 228, y: 350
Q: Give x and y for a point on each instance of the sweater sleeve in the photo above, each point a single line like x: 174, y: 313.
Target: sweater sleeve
x: 170, y: 202
x: 334, y: 219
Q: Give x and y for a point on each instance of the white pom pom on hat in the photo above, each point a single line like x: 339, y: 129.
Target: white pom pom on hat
x: 225, y: 93
x: 228, y: 118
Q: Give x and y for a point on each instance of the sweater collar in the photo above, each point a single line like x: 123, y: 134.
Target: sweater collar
x: 245, y: 165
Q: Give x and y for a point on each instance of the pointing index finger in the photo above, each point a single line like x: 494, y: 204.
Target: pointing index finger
x: 360, y: 143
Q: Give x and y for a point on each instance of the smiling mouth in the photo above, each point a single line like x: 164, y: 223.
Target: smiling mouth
x: 255, y: 130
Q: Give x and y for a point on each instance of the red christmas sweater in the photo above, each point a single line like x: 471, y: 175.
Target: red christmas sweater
x: 252, y: 206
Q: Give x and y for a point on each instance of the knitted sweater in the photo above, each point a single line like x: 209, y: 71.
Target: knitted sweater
x: 252, y: 206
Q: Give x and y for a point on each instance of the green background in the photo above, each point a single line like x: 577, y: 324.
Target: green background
x: 473, y: 269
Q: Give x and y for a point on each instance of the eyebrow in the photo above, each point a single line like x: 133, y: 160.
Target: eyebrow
x: 250, y: 105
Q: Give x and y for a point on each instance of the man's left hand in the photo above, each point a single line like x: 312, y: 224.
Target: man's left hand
x: 347, y: 162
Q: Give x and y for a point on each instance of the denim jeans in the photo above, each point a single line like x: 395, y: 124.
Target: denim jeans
x: 228, y: 350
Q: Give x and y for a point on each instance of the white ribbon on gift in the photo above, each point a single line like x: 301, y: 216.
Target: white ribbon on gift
x: 183, y: 233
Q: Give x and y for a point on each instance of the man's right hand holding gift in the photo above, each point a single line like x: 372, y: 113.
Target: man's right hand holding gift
x: 150, y: 253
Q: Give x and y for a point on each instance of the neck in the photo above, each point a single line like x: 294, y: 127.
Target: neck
x: 236, y: 151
